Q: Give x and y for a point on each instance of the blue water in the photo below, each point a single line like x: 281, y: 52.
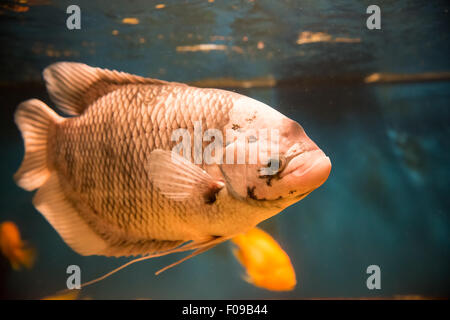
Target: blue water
x: 386, y: 201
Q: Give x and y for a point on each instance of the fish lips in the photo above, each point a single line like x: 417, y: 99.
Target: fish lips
x: 306, y: 172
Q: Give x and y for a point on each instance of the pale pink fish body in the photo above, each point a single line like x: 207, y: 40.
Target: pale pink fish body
x: 105, y: 178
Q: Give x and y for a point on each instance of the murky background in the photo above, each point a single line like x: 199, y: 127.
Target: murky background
x: 386, y: 201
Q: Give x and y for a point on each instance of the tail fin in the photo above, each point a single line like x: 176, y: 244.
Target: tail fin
x: 33, y: 117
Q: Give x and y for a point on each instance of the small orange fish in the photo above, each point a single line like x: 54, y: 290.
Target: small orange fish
x: 14, y: 248
x: 268, y: 266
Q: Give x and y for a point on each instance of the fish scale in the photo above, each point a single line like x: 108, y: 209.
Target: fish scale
x: 132, y: 143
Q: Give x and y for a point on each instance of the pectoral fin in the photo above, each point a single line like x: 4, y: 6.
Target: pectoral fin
x: 179, y: 179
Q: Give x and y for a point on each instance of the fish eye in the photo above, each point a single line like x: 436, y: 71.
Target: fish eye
x: 273, y: 162
x: 277, y: 163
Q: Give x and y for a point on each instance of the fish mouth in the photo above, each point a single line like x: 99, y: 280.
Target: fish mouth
x: 308, y: 170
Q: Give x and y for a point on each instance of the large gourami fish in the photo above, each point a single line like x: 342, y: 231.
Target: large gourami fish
x: 109, y: 184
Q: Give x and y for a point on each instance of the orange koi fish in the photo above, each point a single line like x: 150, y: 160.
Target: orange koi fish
x: 267, y: 264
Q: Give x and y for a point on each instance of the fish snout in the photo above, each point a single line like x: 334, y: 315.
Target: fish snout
x: 307, y: 171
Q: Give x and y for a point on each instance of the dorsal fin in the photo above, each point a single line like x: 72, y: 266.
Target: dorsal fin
x: 74, y: 86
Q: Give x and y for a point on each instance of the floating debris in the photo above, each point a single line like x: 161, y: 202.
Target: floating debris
x: 403, y: 77
x: 262, y: 82
x: 35, y: 2
x: 130, y: 21
x: 14, y: 7
x: 347, y: 40
x: 237, y: 49
x: 312, y: 37
x: 49, y: 50
x: 202, y: 47
x: 220, y: 38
